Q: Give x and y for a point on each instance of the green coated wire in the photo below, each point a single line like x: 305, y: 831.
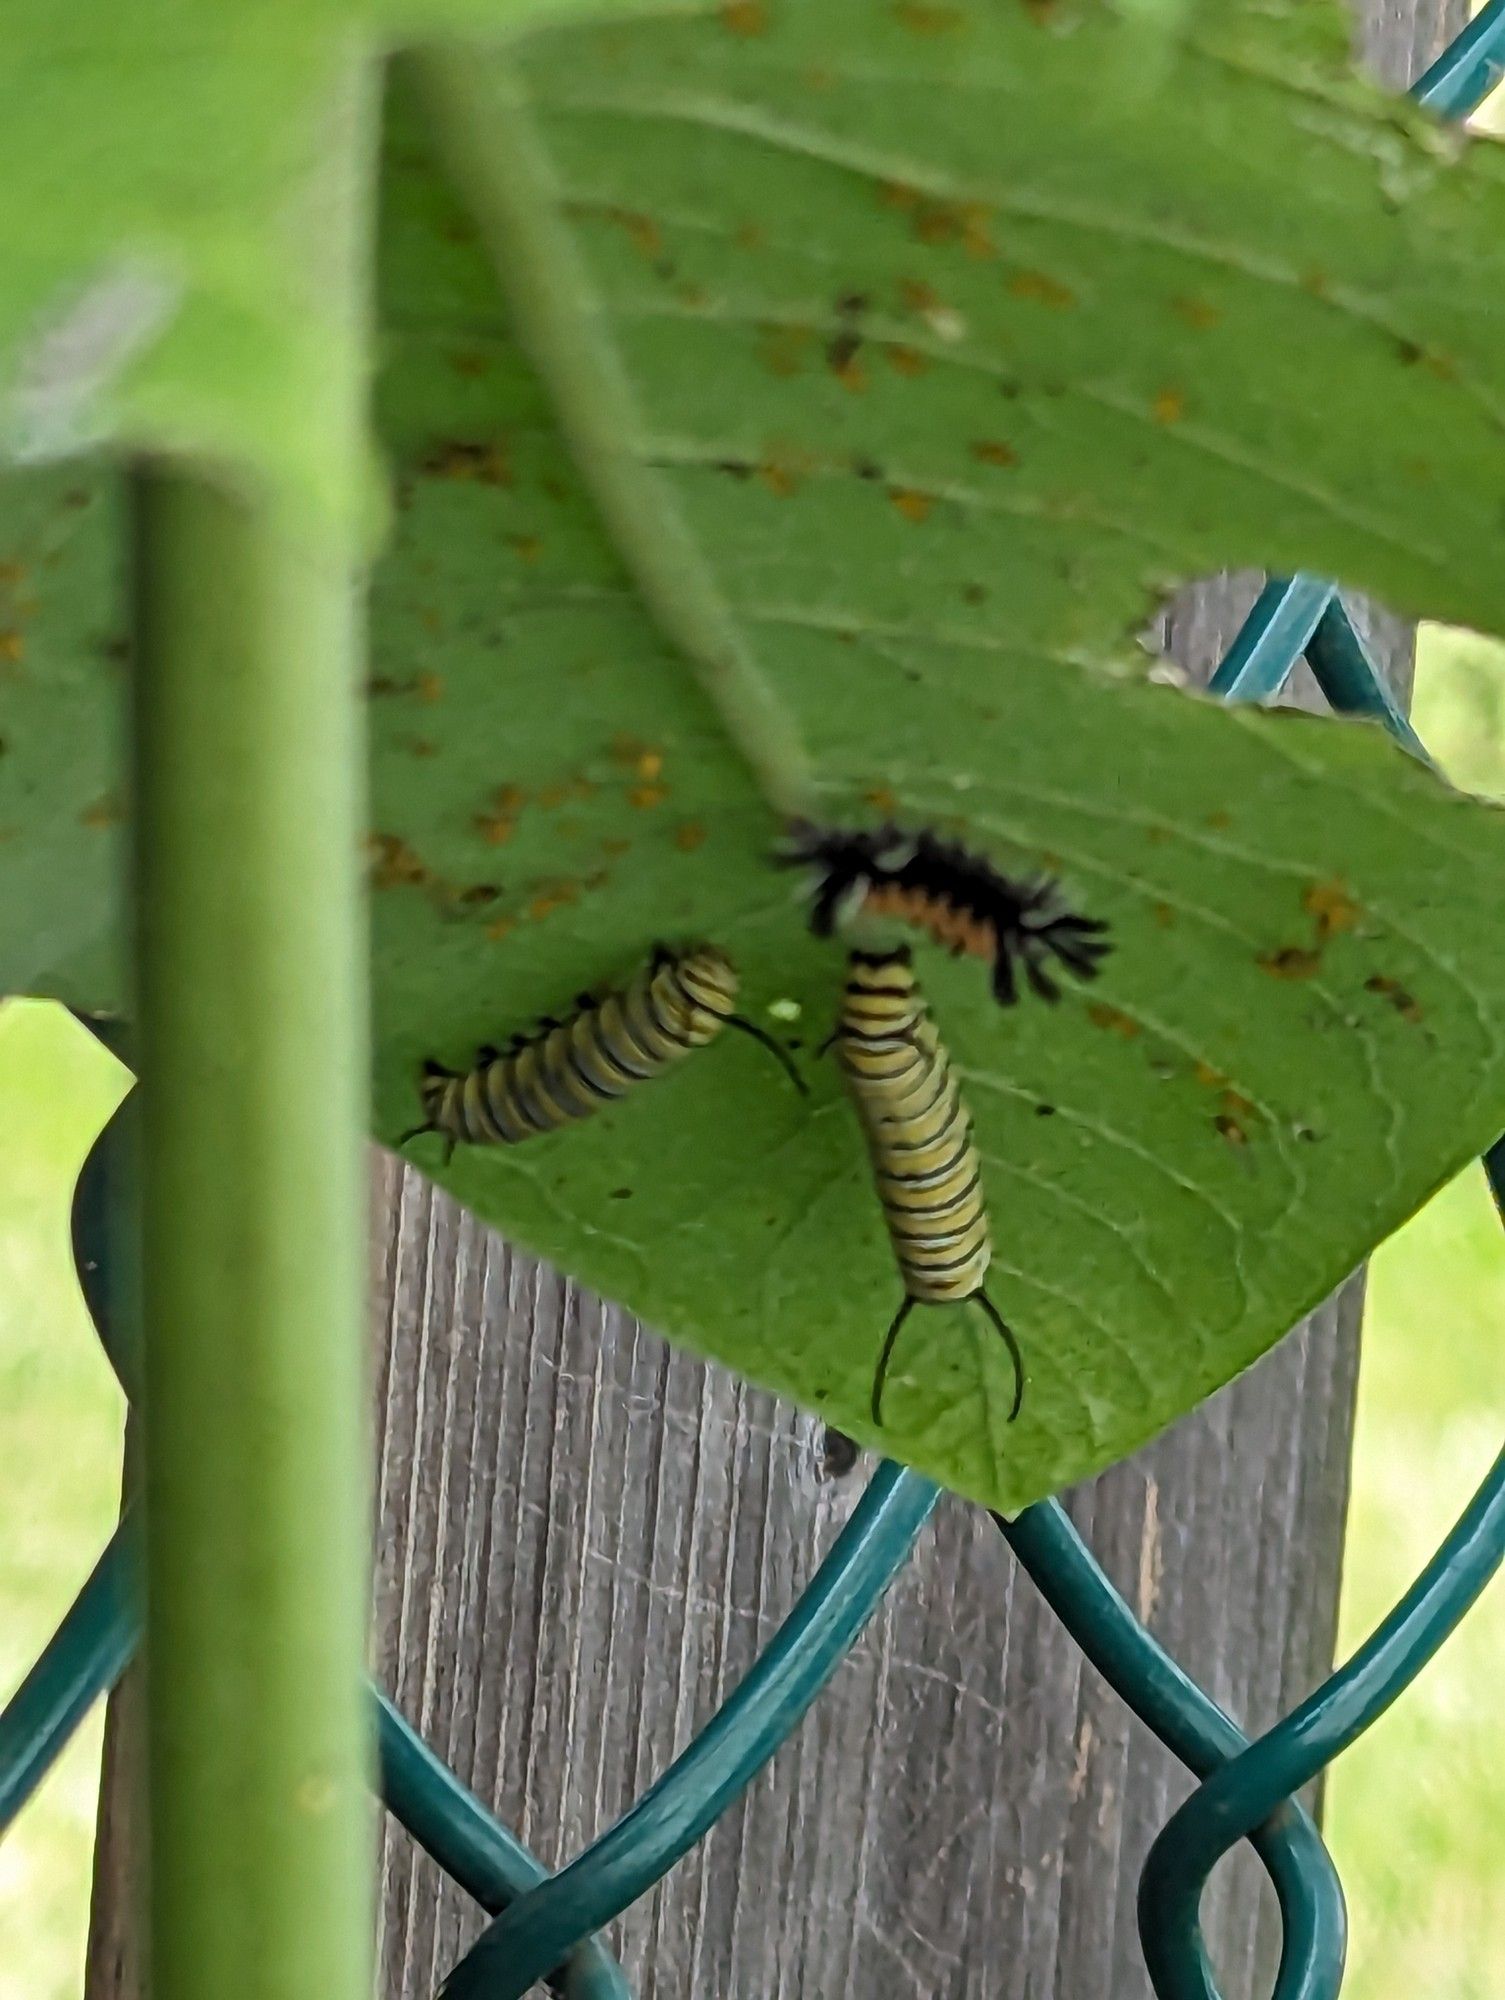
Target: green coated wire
x: 1247, y: 1791
x: 524, y: 1944
x: 96, y: 1642
x: 1195, y: 1729
x: 84, y: 1659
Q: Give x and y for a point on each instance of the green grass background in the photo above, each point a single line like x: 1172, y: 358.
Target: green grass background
x: 1415, y: 1812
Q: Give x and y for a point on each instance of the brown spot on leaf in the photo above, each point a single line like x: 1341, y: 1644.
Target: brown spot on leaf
x: 843, y: 361
x: 1169, y: 406
x: 393, y: 863
x: 1043, y: 289
x: 1291, y: 961
x: 484, y: 461
x: 906, y: 360
x: 430, y: 686
x: 912, y: 505
x: 479, y: 894
x: 495, y: 828
x: 750, y: 236
x: 422, y: 746
x: 993, y: 451
x: 1219, y: 820
x: 925, y: 17
x: 689, y: 835
x: 1230, y: 1129
x: 1332, y: 907
x: 104, y: 811
x: 642, y: 231
x: 966, y: 222
x: 783, y: 349
x: 782, y: 475
x: 526, y: 547
x: 744, y: 17
x: 12, y: 648
x: 470, y: 364
x: 615, y: 846
x: 1164, y: 915
x: 1404, y: 1003
x: 1199, y: 314
x: 500, y: 927
x: 881, y: 799
x: 555, y: 896
x: 1113, y: 1019
x: 645, y: 797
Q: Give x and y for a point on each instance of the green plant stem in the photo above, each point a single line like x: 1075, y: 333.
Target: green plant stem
x: 251, y: 993
x: 476, y: 110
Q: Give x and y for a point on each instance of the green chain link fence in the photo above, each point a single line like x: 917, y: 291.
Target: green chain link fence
x: 545, y: 1926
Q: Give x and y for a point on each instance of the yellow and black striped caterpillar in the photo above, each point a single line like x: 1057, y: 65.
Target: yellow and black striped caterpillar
x: 919, y: 1138
x: 566, y: 1070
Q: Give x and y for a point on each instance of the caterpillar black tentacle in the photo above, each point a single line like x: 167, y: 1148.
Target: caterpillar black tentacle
x: 955, y: 896
x: 564, y: 1071
x: 919, y: 1139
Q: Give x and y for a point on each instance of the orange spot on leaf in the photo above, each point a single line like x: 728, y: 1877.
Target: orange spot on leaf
x: 924, y: 17
x: 1197, y: 313
x: 105, y: 811
x: 1169, y: 407
x: 642, y: 231
x: 906, y: 360
x: 1113, y: 1019
x: 557, y: 896
x: 430, y: 686
x: 744, y: 17
x: 393, y: 863
x: 1043, y: 289
x: 1333, y: 908
x: 913, y: 506
x: 1291, y: 961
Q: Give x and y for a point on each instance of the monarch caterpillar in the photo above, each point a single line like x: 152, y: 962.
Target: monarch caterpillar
x: 954, y: 895
x: 919, y: 1138
x: 566, y: 1070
